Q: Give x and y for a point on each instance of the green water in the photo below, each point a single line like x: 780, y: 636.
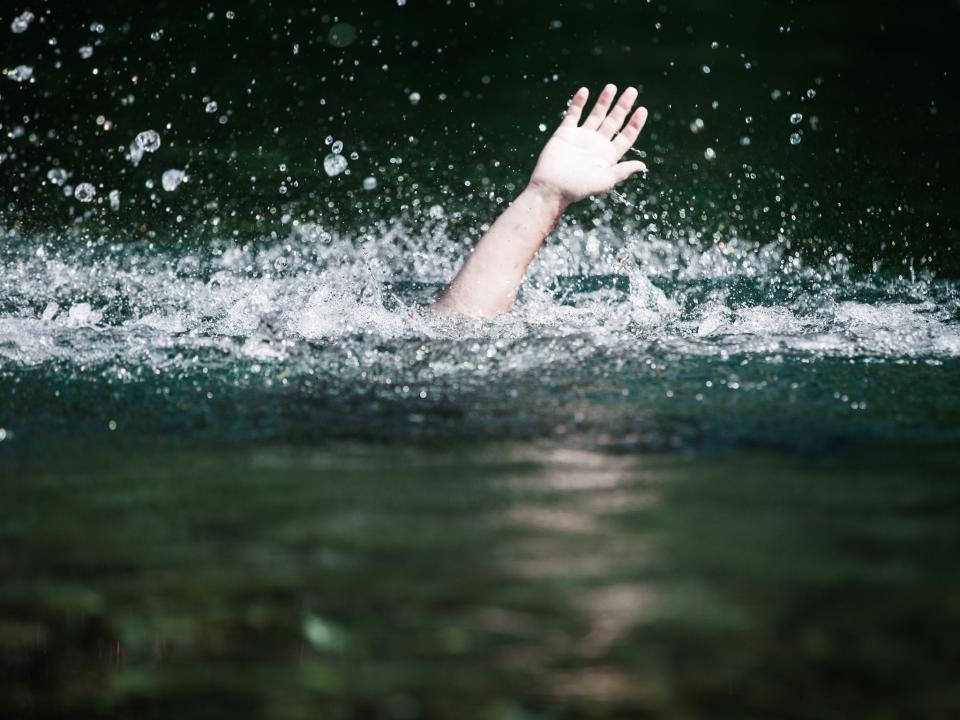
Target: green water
x: 706, y: 469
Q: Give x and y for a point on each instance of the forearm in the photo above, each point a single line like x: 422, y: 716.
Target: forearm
x: 487, y: 283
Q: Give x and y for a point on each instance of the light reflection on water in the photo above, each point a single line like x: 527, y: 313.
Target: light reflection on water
x: 477, y: 582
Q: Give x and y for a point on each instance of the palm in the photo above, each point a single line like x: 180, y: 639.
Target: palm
x: 583, y: 160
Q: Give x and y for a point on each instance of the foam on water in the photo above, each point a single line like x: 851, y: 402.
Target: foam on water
x: 619, y: 290
x: 620, y: 313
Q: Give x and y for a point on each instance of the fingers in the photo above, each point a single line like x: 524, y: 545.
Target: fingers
x: 599, y: 111
x: 622, y: 171
x: 628, y: 136
x: 576, y: 107
x: 615, y: 119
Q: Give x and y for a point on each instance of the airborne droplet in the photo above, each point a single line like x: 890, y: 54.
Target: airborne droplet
x: 334, y: 164
x: 171, y: 179
x: 148, y: 140
x: 21, y: 22
x: 84, y: 192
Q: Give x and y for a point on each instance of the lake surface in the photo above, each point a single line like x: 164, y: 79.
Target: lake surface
x: 707, y: 468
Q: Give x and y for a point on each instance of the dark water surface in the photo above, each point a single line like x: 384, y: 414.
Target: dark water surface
x: 708, y: 468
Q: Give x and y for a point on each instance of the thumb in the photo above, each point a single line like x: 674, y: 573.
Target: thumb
x: 621, y: 171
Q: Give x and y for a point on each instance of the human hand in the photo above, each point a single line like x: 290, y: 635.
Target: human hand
x: 583, y: 160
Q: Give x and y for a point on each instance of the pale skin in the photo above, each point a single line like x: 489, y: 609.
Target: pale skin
x: 578, y: 161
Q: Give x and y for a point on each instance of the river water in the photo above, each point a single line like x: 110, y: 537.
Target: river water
x: 707, y: 468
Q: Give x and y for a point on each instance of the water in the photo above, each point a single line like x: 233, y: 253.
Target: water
x: 706, y: 468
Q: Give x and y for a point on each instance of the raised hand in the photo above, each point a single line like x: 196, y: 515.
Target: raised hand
x: 583, y: 160
x: 577, y: 162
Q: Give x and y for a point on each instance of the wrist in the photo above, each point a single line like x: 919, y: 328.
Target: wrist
x: 548, y: 197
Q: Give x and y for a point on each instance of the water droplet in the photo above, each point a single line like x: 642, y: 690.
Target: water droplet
x: 337, y: 147
x: 86, y: 52
x: 84, y: 192
x: 21, y: 22
x: 148, y: 140
x: 370, y: 183
x: 334, y: 164
x: 50, y: 311
x: 211, y: 107
x: 21, y: 73
x: 796, y: 118
x: 414, y: 98
x: 341, y: 35
x: 57, y: 176
x: 171, y: 179
x: 710, y: 154
x: 795, y: 139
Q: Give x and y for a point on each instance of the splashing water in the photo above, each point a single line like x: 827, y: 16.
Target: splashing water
x: 674, y: 340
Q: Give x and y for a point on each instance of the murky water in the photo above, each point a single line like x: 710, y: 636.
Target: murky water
x: 705, y: 469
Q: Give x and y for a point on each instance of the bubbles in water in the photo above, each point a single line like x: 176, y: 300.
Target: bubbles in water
x: 97, y: 28
x: 776, y: 95
x: 114, y: 200
x: 21, y: 73
x: 706, y: 69
x: 337, y: 147
x: 86, y: 52
x: 84, y: 192
x: 696, y: 126
x: 795, y: 139
x: 811, y: 93
x: 148, y: 140
x: 211, y: 107
x: 401, y: 3
x: 542, y: 127
x: 57, y: 176
x: 21, y: 22
x: 414, y: 98
x: 172, y: 178
x: 334, y: 164
x: 710, y: 154
x: 796, y: 118
x: 744, y: 141
x: 370, y: 183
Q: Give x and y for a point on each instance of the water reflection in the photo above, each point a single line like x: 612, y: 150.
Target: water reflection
x: 499, y: 581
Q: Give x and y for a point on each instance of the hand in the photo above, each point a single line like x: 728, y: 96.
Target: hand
x: 583, y: 160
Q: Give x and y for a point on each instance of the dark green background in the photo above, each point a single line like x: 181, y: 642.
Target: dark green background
x: 875, y: 181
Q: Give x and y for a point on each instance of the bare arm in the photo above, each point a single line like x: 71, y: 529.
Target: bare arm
x: 577, y: 162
